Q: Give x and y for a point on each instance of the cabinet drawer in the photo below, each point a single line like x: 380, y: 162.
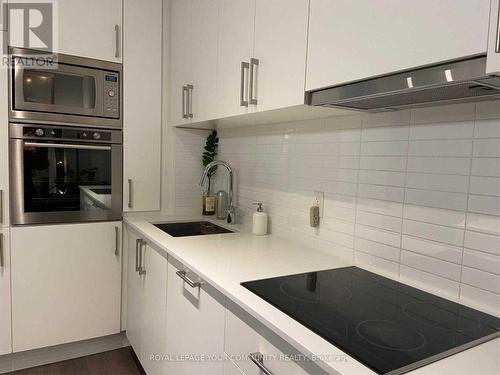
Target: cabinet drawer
x: 244, y: 335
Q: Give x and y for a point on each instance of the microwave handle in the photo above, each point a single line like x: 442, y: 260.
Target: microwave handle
x: 71, y: 146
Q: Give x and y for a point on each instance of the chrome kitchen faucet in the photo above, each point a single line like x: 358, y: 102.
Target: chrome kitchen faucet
x: 231, y: 211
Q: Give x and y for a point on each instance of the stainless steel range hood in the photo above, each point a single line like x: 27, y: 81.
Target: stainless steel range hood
x: 457, y: 81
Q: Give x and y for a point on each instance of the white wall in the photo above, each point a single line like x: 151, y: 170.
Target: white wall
x: 414, y: 195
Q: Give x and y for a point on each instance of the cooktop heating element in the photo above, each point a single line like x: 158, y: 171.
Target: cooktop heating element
x: 390, y: 327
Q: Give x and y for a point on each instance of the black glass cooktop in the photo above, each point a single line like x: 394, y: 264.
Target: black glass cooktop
x: 388, y: 326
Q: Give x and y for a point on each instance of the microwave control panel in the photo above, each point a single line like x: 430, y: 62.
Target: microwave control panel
x: 111, y: 95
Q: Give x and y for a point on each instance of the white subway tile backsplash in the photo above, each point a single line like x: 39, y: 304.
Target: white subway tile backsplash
x: 441, y: 182
x: 443, y: 130
x: 413, y: 194
x: 435, y: 216
x: 383, y: 163
x: 435, y: 266
x: 484, y: 204
x: 427, y: 281
x: 387, y: 193
x: 483, y: 242
x: 437, y: 165
x: 486, y: 167
x: 433, y: 249
x: 485, y: 185
x: 378, y: 235
x: 438, y: 199
x: 390, y: 148
x: 482, y: 261
x: 487, y: 147
x: 481, y: 298
x: 433, y: 232
x: 483, y: 223
x: 487, y: 129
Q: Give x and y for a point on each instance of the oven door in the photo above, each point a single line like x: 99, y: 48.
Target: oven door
x: 55, y: 182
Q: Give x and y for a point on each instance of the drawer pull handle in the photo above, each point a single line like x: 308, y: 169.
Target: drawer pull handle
x: 191, y: 283
x: 258, y: 359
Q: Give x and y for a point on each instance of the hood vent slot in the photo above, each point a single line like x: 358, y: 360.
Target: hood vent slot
x: 459, y: 81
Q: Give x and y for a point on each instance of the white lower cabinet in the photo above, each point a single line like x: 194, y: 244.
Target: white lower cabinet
x: 5, y: 311
x: 195, y: 324
x: 245, y: 337
x: 66, y: 283
x: 146, y: 303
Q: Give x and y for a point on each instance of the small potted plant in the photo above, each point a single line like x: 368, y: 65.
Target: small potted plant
x: 209, y: 155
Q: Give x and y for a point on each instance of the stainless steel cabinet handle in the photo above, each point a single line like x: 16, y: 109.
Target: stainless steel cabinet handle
x: 191, y: 283
x: 253, y: 85
x: 117, y: 40
x: 142, y: 270
x: 67, y: 145
x: 117, y: 241
x: 184, y: 101
x: 497, y: 45
x: 190, y: 101
x: 1, y: 206
x: 258, y: 359
x: 137, y: 244
x: 129, y: 193
x: 244, y: 66
x: 2, y: 260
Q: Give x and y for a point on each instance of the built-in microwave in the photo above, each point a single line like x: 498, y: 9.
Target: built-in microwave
x: 69, y: 91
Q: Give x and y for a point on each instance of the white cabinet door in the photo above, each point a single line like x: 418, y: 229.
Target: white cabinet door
x: 244, y: 336
x: 4, y: 145
x: 280, y: 47
x: 5, y: 310
x: 66, y: 283
x: 154, y: 311
x: 142, y: 97
x: 493, y: 61
x: 91, y: 28
x: 135, y: 294
x: 195, y: 324
x: 204, y: 26
x: 351, y: 40
x: 235, y: 46
x: 180, y: 59
x: 146, y: 304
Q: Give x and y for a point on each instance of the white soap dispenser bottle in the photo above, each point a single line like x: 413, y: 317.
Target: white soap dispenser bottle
x: 259, y: 227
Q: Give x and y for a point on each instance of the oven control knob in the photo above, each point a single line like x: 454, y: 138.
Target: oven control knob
x: 111, y: 93
x: 84, y: 135
x: 96, y: 135
x: 39, y: 132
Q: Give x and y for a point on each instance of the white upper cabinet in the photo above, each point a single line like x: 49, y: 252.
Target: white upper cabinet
x: 66, y: 283
x: 5, y: 311
x: 235, y: 48
x: 193, y: 60
x: 142, y: 109
x: 352, y: 40
x: 180, y: 60
x: 280, y: 48
x: 91, y: 28
x: 493, y: 61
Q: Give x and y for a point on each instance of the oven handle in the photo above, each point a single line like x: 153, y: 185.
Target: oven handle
x: 72, y: 146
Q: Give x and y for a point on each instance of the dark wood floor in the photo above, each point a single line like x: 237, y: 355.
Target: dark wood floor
x: 119, y: 362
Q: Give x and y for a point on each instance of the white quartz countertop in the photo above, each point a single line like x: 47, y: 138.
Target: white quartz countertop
x: 226, y: 260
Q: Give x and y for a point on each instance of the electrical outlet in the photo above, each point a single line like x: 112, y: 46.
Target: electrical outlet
x: 319, y: 199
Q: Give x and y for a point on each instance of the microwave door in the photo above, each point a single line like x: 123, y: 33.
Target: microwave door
x: 69, y: 90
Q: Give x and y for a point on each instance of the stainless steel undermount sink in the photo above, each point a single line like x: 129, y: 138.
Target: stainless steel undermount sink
x: 193, y: 228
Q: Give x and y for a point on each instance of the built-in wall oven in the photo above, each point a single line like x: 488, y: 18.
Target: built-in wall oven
x: 64, y: 89
x: 62, y: 174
